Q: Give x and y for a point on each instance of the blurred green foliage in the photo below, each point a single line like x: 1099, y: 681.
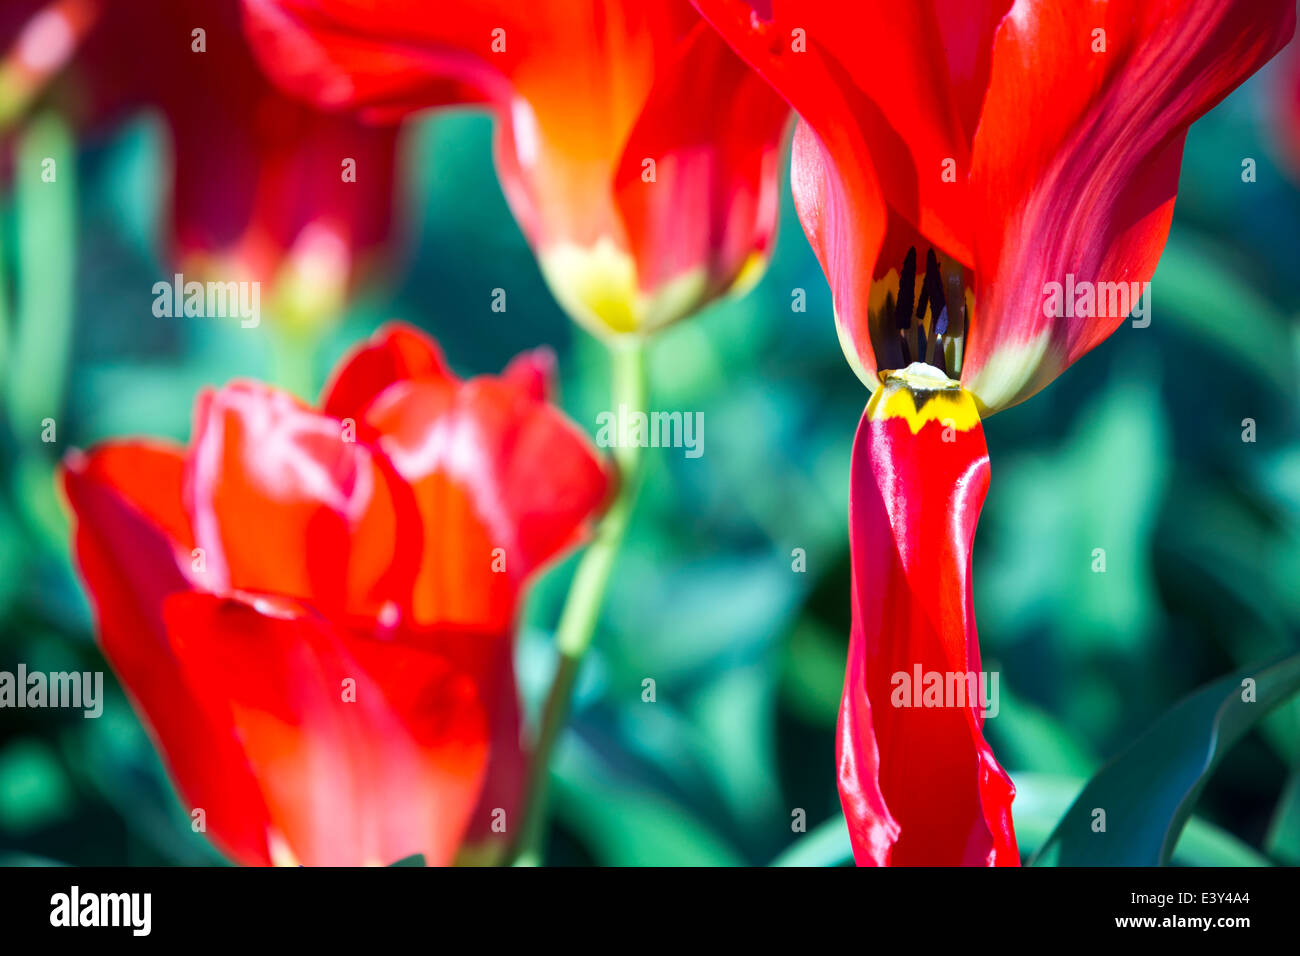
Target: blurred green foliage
x: 1137, y: 450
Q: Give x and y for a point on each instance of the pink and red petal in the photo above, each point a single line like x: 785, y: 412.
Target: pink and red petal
x: 366, y: 750
x: 844, y: 215
x: 1075, y: 166
x: 132, y: 548
x: 918, y: 782
x: 471, y: 454
x: 395, y: 353
x: 285, y: 501
x: 721, y: 166
x: 898, y: 83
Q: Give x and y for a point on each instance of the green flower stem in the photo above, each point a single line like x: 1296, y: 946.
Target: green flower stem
x: 582, y: 606
x: 293, y: 352
x: 39, y: 349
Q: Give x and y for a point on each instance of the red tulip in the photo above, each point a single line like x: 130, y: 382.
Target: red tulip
x: 636, y: 150
x: 312, y: 610
x: 1023, y: 142
x: 961, y: 169
x: 259, y: 191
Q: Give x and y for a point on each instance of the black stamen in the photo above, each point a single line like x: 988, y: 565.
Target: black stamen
x: 934, y: 289
x: 906, y: 290
x: 940, y: 328
x: 931, y: 273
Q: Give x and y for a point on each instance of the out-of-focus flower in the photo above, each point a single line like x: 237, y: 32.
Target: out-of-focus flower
x: 312, y: 610
x: 38, y: 38
x: 988, y: 187
x: 264, y: 187
x: 638, y: 153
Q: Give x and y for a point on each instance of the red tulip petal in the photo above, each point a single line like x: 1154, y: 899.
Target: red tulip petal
x: 285, y: 503
x: 507, y: 771
x: 1075, y: 166
x: 919, y: 784
x: 491, y: 468
x: 393, y: 354
x: 338, y: 54
x: 533, y: 373
x: 843, y: 214
x: 720, y: 166
x: 394, y: 771
x: 897, y: 86
x: 131, y: 539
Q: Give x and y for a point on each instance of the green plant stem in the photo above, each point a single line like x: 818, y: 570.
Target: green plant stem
x: 582, y: 606
x: 292, y: 356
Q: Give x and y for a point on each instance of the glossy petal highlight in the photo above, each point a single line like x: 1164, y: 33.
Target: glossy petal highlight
x: 918, y: 782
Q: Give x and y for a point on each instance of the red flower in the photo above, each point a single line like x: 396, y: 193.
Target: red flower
x: 1023, y: 142
x: 962, y: 170
x: 258, y: 185
x: 642, y: 198
x: 312, y: 610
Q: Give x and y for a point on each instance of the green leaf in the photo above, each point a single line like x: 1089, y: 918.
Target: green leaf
x: 415, y: 859
x: 1283, y: 840
x: 826, y: 845
x: 1053, y: 514
x: 41, y: 348
x: 1149, y: 790
x: 1042, y: 798
x: 1197, y: 291
x: 627, y: 826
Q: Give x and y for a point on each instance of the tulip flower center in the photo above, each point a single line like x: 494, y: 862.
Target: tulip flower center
x: 926, y: 320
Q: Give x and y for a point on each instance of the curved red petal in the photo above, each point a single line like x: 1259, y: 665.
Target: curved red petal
x: 1075, y: 166
x: 132, y: 548
x: 340, y: 55
x: 720, y: 167
x: 395, y: 353
x: 286, y: 501
x: 507, y: 768
x: 503, y: 482
x: 366, y: 750
x: 918, y: 782
x: 533, y: 373
x: 844, y: 216
x: 899, y: 83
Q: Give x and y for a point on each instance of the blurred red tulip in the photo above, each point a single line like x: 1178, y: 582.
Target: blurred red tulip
x: 979, y: 162
x: 262, y: 188
x: 312, y: 610
x: 636, y: 150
